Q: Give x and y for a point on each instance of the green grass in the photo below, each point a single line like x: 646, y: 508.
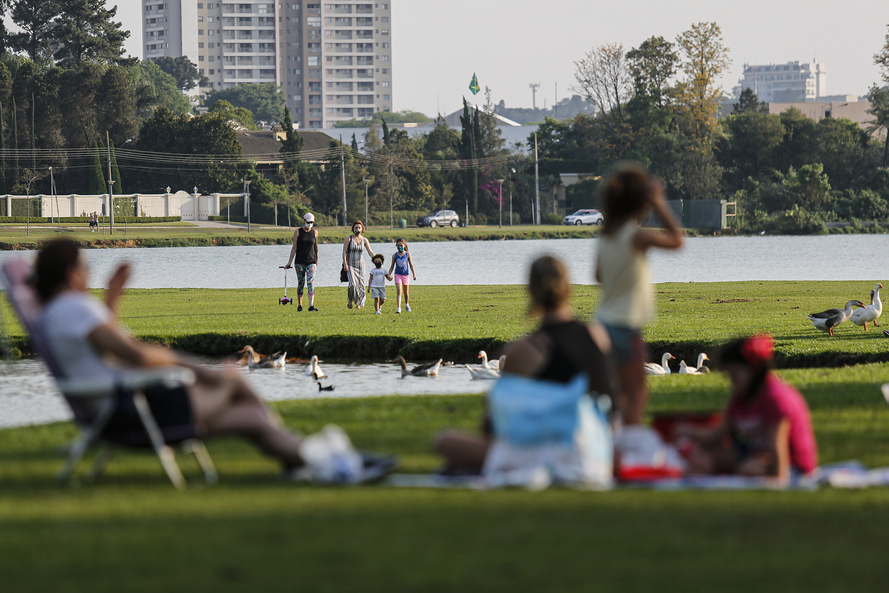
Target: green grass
x: 456, y: 322
x: 131, y: 531
x: 185, y: 234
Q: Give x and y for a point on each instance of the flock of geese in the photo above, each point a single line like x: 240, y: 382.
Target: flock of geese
x: 652, y: 368
x: 826, y: 321
x: 253, y: 360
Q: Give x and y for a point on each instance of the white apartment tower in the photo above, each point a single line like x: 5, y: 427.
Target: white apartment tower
x: 793, y: 82
x: 332, y: 60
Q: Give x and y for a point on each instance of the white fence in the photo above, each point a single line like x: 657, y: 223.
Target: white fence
x: 188, y: 206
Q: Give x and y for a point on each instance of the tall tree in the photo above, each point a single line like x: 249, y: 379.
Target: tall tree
x: 749, y: 102
x: 265, y: 101
x: 155, y: 88
x: 881, y: 59
x: 652, y: 66
x: 292, y: 145
x: 4, y: 34
x: 603, y: 77
x: 86, y: 32
x: 97, y: 184
x: 183, y: 70
x: 879, y: 108
x: 705, y: 59
x: 117, y: 101
x: 36, y: 20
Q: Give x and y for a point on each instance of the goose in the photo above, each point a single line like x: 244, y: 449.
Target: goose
x: 477, y: 373
x: 278, y: 360
x: 684, y: 369
x: 424, y: 370
x: 248, y: 355
x: 494, y: 364
x: 314, y: 369
x: 652, y: 368
x: 827, y: 320
x: 870, y: 312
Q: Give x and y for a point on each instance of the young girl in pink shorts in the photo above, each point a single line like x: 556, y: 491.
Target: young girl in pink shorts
x: 404, y: 269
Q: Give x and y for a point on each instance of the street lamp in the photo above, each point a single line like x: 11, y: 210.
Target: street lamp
x: 500, y: 181
x: 246, y: 199
x: 366, y: 220
x: 511, y: 171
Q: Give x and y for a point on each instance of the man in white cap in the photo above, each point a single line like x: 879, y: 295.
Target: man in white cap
x: 305, y: 252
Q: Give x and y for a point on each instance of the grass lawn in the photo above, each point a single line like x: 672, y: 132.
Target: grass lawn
x: 131, y: 531
x: 691, y: 317
x: 184, y: 234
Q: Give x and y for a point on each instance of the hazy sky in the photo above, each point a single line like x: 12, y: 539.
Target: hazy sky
x: 438, y: 44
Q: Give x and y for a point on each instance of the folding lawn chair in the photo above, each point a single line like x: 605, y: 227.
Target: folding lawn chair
x: 93, y: 402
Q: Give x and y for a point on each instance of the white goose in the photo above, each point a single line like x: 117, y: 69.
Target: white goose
x: 827, y: 320
x: 652, y: 368
x: 314, y: 369
x: 482, y: 373
x: 494, y: 364
x: 684, y: 369
x: 870, y: 312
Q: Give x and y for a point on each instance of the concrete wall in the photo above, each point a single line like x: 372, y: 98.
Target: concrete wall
x: 188, y: 206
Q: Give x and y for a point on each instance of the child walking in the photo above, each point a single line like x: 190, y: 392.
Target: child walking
x: 404, y: 269
x: 378, y: 277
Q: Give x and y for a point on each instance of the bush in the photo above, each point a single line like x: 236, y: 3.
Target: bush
x: 552, y: 218
x: 795, y: 222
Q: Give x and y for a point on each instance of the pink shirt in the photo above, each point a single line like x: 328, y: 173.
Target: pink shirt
x: 775, y: 401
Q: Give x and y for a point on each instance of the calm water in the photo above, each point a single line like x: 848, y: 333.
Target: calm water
x: 27, y: 395
x: 716, y: 259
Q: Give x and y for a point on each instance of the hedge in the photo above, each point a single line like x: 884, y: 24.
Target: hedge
x: 86, y: 219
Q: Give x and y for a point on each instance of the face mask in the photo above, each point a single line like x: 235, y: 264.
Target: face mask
x: 357, y: 230
x: 400, y: 248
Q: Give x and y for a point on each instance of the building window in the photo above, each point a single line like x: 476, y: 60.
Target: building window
x: 200, y: 58
x: 200, y: 31
x: 212, y: 71
x: 385, y: 83
x: 200, y: 19
x: 385, y: 45
x: 385, y: 97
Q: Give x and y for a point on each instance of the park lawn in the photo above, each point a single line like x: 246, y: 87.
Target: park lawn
x: 183, y: 234
x: 455, y: 322
x: 131, y: 531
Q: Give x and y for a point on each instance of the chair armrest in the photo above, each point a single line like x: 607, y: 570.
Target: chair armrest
x: 130, y: 380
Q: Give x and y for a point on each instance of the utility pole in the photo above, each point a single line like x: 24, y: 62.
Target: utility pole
x: 534, y: 86
x: 500, y: 181
x: 110, y: 185
x: 536, y: 186
x: 343, y: 177
x: 247, y: 199
x: 511, y: 171
x: 366, y: 217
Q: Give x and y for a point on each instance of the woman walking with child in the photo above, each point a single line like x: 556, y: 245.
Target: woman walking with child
x: 353, y: 263
x: 403, y: 265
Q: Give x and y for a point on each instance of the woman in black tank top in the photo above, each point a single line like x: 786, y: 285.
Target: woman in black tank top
x: 558, y: 351
x: 304, y: 255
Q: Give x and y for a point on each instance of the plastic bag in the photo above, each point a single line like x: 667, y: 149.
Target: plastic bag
x: 330, y: 457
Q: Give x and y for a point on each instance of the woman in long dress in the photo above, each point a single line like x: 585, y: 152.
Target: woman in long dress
x: 353, y: 262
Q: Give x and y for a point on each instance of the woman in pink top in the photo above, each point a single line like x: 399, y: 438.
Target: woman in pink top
x: 766, y: 428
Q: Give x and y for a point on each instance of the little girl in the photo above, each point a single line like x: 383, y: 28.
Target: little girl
x: 403, y: 265
x: 766, y: 428
x: 377, y: 282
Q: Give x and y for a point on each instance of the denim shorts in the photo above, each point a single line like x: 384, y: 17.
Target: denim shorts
x: 626, y: 343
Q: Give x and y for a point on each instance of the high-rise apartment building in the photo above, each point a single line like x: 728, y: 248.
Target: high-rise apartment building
x: 785, y: 83
x: 333, y: 61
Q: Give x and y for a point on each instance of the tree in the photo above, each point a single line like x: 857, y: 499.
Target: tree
x: 749, y: 102
x: 97, y: 184
x: 183, y: 70
x: 879, y: 108
x: 705, y: 59
x: 881, y: 59
x: 4, y: 34
x: 652, y: 65
x: 238, y: 117
x: 36, y: 20
x: 749, y: 145
x: 603, y: 77
x: 265, y: 101
x: 117, y: 105
x: 86, y: 32
x: 155, y: 88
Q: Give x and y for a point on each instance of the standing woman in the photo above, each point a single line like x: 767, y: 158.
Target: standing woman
x: 353, y: 263
x: 305, y: 250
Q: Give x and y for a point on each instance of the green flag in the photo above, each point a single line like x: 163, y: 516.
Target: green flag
x: 473, y: 86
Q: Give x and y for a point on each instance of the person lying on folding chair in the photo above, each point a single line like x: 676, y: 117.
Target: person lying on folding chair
x: 86, y: 343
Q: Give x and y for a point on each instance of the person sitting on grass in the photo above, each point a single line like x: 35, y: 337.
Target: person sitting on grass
x: 377, y: 282
x: 83, y: 335
x: 766, y: 428
x: 558, y: 351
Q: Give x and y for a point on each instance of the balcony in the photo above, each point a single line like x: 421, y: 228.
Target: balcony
x: 343, y: 35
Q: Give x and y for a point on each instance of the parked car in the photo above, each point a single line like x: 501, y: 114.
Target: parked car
x: 439, y: 218
x: 585, y: 217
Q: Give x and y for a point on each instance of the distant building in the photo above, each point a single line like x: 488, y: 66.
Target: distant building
x: 792, y: 82
x: 333, y: 61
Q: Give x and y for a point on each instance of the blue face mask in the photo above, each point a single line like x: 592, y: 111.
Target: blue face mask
x: 400, y: 248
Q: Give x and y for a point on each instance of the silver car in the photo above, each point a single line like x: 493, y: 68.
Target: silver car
x: 585, y: 217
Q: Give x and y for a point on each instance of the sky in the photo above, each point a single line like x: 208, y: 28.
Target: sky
x: 437, y: 45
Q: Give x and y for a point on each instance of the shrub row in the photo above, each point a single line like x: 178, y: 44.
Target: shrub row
x: 86, y: 219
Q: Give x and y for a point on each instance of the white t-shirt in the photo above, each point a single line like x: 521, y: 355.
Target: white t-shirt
x: 66, y: 322
x: 627, y: 296
x: 377, y: 277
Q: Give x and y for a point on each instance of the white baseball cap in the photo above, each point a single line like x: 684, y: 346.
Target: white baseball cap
x: 309, y: 217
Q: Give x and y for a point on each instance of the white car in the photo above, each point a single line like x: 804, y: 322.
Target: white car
x: 585, y: 217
